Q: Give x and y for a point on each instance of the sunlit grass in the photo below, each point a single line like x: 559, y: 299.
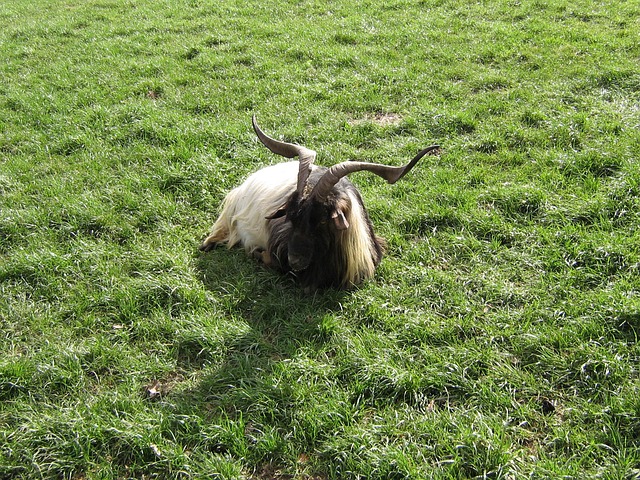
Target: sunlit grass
x: 499, y: 335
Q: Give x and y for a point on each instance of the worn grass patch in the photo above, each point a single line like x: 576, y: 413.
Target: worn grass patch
x: 499, y: 335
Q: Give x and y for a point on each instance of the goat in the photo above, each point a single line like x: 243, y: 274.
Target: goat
x: 305, y: 219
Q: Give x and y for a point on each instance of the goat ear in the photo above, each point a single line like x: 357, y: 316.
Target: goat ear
x: 339, y: 220
x: 281, y: 212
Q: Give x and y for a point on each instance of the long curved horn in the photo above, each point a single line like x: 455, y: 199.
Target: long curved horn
x: 289, y: 150
x: 390, y: 174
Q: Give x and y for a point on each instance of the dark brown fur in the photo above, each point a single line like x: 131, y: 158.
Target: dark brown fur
x: 308, y: 230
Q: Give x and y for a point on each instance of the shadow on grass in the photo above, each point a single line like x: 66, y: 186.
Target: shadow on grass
x: 263, y: 297
x: 274, y: 330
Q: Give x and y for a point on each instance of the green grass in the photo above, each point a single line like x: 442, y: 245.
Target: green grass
x: 499, y: 336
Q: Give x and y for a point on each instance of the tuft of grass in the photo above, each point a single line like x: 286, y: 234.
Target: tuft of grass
x: 499, y: 335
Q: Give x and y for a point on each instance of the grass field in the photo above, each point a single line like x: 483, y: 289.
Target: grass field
x: 498, y: 338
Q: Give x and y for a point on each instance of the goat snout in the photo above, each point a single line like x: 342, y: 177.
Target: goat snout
x: 298, y: 263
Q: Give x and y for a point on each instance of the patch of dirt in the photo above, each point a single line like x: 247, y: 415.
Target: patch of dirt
x: 380, y: 118
x: 157, y: 389
x: 272, y: 472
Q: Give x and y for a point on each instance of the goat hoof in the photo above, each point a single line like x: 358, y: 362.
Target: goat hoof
x: 262, y: 256
x: 205, y: 247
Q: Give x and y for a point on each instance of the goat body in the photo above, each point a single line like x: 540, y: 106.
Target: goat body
x: 243, y: 219
x: 305, y: 219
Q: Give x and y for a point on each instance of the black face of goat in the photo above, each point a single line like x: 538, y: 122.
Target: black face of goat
x: 328, y: 243
x: 307, y: 235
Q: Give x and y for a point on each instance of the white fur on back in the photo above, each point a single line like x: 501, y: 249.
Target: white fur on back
x: 245, y: 207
